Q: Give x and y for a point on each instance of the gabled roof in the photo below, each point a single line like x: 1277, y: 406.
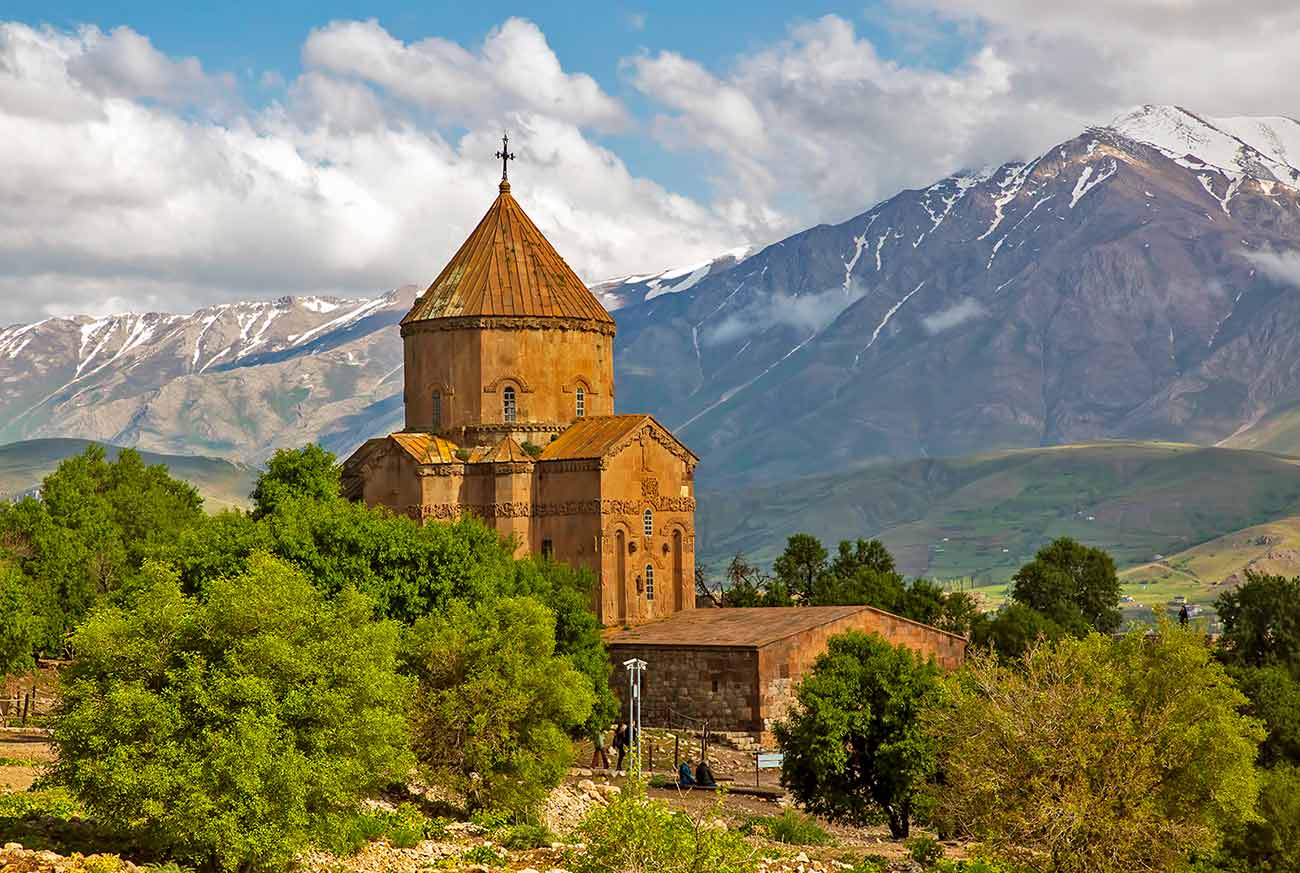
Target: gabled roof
x: 505, y: 451
x: 596, y: 436
x: 507, y: 268
x: 426, y: 448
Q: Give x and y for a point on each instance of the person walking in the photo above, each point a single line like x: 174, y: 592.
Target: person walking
x: 599, y: 743
x: 620, y: 744
x: 1183, y: 617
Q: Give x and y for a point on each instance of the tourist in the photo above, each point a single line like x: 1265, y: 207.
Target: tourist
x: 1183, y: 617
x: 599, y: 757
x: 684, y: 777
x: 620, y: 744
x: 704, y: 775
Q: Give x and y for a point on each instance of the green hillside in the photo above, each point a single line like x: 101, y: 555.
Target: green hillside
x: 982, y: 517
x: 223, y: 484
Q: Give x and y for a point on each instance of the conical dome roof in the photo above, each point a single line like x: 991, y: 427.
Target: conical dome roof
x: 507, y: 268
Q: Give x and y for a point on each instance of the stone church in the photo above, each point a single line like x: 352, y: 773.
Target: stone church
x: 509, y: 395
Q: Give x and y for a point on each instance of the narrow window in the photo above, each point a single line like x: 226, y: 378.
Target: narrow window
x: 580, y: 402
x: 649, y: 582
x: 648, y: 522
x: 548, y: 549
x: 508, y: 403
x: 437, y: 411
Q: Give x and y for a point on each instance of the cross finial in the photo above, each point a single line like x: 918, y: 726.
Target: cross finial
x: 505, y: 155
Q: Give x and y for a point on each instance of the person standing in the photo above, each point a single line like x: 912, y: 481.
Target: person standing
x: 620, y: 744
x: 1183, y: 617
x: 599, y: 743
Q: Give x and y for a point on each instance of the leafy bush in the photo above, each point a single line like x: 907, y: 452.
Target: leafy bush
x: 865, y: 864
x: 634, y: 834
x: 47, y: 803
x: 790, y: 827
x: 532, y: 449
x: 526, y: 836
x: 487, y: 855
x: 1271, y: 844
x: 403, y: 827
x: 1097, y: 755
x: 227, y: 732
x: 495, y: 705
x: 854, y: 746
x: 924, y: 850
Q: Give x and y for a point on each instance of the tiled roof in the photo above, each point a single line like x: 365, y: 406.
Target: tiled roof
x: 592, y: 437
x: 507, y: 268
x: 426, y: 448
x: 737, y: 628
x: 504, y: 451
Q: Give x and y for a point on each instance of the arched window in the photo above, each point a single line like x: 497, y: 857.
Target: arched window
x: 648, y: 522
x: 649, y: 582
x: 437, y: 411
x: 508, y: 403
x: 580, y: 402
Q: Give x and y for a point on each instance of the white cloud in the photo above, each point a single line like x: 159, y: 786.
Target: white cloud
x: 112, y: 197
x: 807, y: 313
x: 123, y: 63
x: 1283, y: 266
x: 514, y: 71
x: 964, y: 310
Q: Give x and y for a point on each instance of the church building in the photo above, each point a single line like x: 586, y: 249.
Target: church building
x: 509, y: 396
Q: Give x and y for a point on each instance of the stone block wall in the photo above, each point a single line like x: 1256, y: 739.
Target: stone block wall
x: 684, y: 686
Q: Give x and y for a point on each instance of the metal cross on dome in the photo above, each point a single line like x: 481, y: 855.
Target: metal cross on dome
x: 505, y: 155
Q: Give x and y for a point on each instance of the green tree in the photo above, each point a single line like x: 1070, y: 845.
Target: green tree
x: 1271, y: 843
x: 226, y: 732
x: 1261, y: 622
x: 568, y: 592
x: 310, y: 472
x: 800, y: 565
x: 89, y: 533
x: 407, y: 568
x: 854, y: 746
x: 1275, y: 700
x: 1073, y: 585
x: 19, y: 627
x: 1013, y: 630
x: 1097, y: 754
x: 495, y: 706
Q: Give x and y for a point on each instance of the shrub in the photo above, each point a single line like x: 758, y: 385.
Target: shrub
x: 1097, y: 755
x: 532, y: 449
x: 854, y: 746
x: 485, y: 855
x: 495, y: 704
x: 924, y: 850
x: 1271, y: 844
x: 526, y: 836
x: 790, y: 827
x: 634, y: 834
x: 227, y: 732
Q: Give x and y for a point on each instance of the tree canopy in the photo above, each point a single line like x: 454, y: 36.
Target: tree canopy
x: 1073, y: 585
x: 854, y: 746
x: 1097, y: 754
x: 226, y: 731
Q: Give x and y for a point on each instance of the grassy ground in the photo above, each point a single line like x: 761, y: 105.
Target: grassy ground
x: 978, y: 519
x: 223, y: 484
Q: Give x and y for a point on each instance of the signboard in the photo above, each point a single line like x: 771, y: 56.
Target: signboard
x: 770, y: 760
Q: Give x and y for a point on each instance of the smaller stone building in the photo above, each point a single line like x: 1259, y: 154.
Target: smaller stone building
x: 736, y: 668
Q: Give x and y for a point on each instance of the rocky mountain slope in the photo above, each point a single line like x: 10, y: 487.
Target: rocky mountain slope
x: 1132, y: 282
x: 1126, y: 283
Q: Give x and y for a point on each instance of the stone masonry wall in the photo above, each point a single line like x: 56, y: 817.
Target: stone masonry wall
x: 684, y: 686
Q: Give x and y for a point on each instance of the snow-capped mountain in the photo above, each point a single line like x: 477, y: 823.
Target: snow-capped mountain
x: 1136, y: 281
x: 236, y: 380
x: 625, y: 290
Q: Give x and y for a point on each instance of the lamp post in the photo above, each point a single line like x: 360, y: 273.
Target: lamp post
x: 634, y: 667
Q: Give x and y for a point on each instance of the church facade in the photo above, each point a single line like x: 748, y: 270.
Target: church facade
x: 509, y: 398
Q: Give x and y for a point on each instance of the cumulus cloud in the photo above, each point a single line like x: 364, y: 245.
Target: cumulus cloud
x: 514, y: 70
x: 113, y: 196
x: 807, y: 313
x: 964, y: 310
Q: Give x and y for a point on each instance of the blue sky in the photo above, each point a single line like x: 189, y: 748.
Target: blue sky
x: 169, y: 156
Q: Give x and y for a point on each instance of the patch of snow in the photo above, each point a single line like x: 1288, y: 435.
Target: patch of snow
x: 342, y: 321
x: 732, y: 392
x: 875, y: 334
x: 318, y: 304
x: 1084, y: 185
x: 1011, y: 185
